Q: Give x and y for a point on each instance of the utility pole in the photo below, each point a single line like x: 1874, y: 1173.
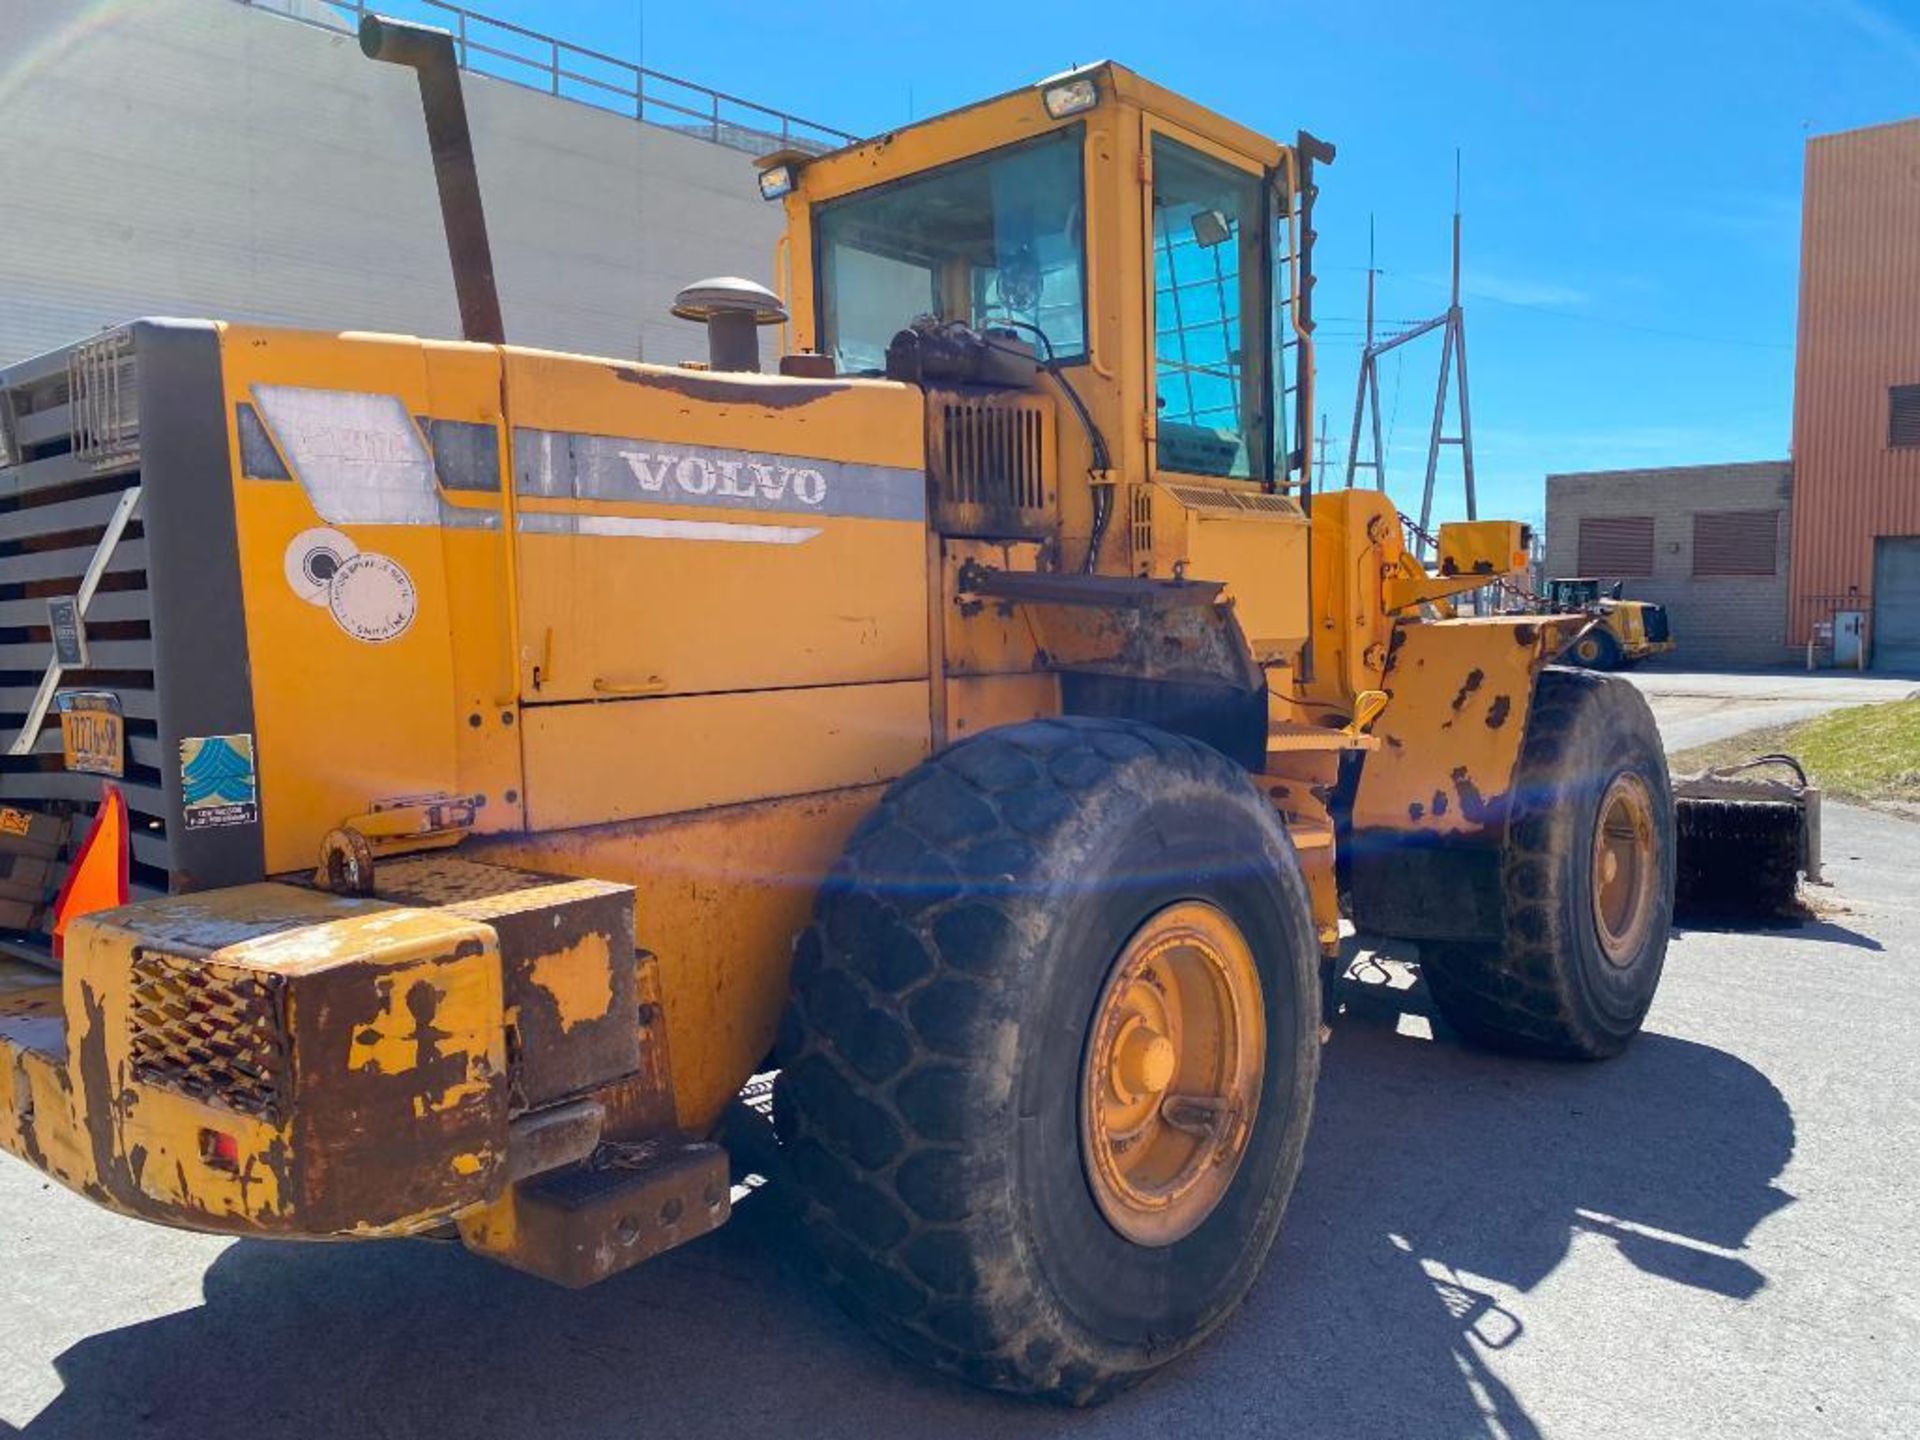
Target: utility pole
x: 1453, y: 353
x: 1368, y: 389
x: 1453, y: 373
x: 1324, y: 441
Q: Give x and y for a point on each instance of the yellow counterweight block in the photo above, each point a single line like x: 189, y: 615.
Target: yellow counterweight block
x: 272, y: 1060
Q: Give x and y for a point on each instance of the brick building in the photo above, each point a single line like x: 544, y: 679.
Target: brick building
x: 1709, y: 542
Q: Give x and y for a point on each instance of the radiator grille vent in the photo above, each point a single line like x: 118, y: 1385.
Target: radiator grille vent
x: 990, y: 456
x: 208, y: 1032
x: 106, y: 414
x: 1218, y: 500
x: 1140, y: 529
x: 71, y: 459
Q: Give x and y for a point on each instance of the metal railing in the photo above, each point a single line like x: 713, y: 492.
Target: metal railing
x: 535, y: 61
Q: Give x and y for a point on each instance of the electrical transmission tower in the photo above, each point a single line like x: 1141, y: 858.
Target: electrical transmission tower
x: 1453, y: 376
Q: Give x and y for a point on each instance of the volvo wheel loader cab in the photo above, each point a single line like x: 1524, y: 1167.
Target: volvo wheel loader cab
x: 501, y: 753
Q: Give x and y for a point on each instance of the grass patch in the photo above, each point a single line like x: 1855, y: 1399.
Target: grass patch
x: 1864, y: 752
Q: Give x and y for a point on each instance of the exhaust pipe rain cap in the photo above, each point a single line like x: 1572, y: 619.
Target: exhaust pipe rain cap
x: 731, y: 309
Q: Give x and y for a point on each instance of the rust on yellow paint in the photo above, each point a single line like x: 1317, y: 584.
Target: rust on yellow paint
x: 1459, y: 693
x: 362, y: 1049
x: 580, y: 980
x: 719, y: 896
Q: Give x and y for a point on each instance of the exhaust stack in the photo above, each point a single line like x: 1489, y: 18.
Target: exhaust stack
x: 429, y: 53
x: 733, y: 310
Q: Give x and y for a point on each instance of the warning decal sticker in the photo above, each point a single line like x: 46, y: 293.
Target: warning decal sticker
x: 371, y: 598
x: 217, y: 781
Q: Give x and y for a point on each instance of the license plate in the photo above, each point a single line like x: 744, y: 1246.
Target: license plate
x: 93, y: 733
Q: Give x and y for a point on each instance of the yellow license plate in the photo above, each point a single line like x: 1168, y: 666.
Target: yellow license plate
x: 94, y: 738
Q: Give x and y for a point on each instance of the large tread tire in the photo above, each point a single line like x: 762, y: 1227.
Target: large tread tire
x: 928, y: 1102
x: 1547, y: 988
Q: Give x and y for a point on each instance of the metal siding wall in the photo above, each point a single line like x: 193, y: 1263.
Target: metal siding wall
x: 201, y: 157
x: 1859, y: 335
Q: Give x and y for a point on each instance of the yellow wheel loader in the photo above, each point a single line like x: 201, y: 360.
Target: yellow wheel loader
x: 441, y: 773
x: 1620, y: 633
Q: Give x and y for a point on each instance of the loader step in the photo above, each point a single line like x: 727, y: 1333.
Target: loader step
x: 1281, y: 738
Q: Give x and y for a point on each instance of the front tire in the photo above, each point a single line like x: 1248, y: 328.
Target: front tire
x: 1587, y: 879
x: 954, y: 1028
x: 1595, y: 649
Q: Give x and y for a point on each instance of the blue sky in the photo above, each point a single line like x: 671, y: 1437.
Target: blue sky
x: 1631, y: 176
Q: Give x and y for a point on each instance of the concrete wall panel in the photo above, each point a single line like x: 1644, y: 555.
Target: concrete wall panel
x: 204, y: 158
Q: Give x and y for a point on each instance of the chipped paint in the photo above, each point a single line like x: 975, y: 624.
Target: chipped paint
x: 393, y: 1043
x: 1472, y: 803
x: 364, y: 1134
x: 1453, y: 730
x: 1476, y: 677
x: 580, y: 980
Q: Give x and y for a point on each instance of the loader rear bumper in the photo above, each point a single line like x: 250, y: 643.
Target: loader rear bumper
x: 264, y: 1061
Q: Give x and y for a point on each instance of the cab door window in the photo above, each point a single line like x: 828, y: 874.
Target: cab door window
x: 1210, y: 382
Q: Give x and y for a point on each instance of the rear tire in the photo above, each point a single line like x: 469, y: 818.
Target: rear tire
x: 934, y: 1097
x: 1587, y: 882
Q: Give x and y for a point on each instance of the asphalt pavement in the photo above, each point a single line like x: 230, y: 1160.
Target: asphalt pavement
x: 1714, y: 1235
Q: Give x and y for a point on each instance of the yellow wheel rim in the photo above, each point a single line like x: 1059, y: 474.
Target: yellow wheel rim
x: 1588, y: 650
x: 1623, y: 868
x: 1171, y: 1079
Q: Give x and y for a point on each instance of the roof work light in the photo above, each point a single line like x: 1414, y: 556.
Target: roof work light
x: 1070, y: 97
x: 775, y: 181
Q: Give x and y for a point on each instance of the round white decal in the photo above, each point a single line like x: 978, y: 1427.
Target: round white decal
x: 313, y: 558
x: 371, y: 598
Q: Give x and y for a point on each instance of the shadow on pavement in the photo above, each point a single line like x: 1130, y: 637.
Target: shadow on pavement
x: 1434, y: 1173
x: 1798, y: 927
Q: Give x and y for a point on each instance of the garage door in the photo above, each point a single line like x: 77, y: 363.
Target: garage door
x: 1896, y: 602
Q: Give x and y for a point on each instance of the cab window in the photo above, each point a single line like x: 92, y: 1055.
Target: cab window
x: 998, y: 240
x: 1210, y: 387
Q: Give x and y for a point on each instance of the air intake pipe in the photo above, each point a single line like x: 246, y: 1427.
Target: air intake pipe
x: 429, y: 53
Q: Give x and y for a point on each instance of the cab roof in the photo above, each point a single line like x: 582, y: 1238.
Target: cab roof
x: 1008, y: 118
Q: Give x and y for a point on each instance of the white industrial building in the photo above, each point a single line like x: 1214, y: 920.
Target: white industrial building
x: 242, y: 160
